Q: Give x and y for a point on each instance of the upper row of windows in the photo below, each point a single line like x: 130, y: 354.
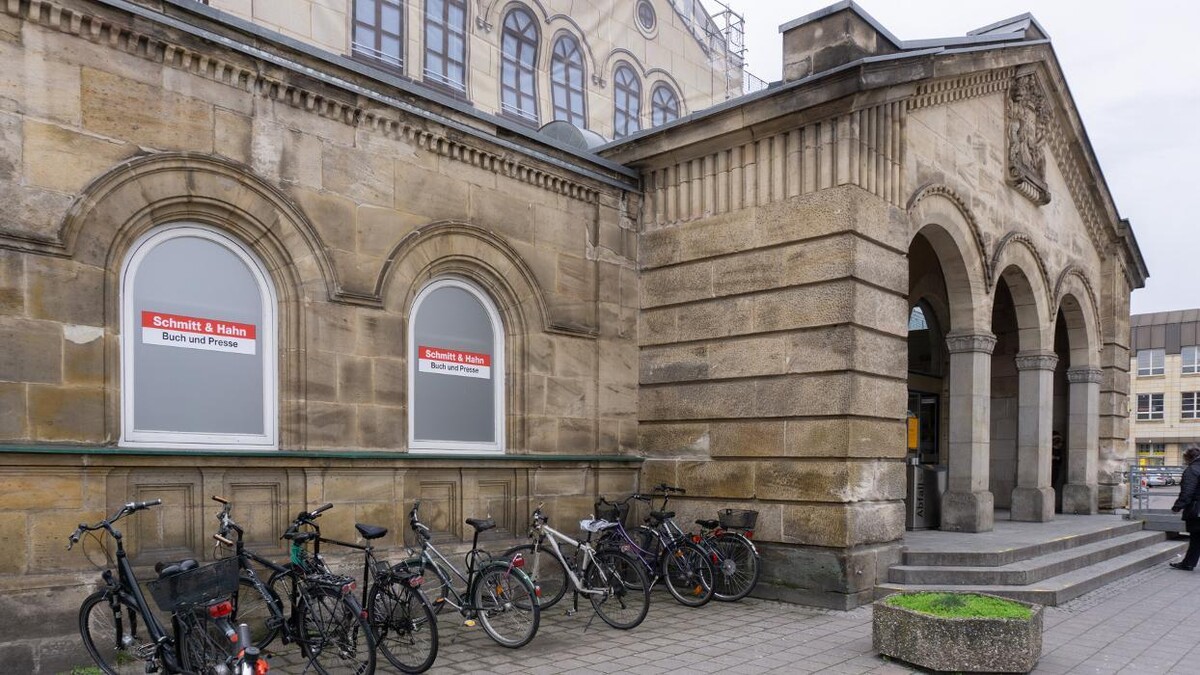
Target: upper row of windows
x: 379, y: 34
x: 1153, y: 361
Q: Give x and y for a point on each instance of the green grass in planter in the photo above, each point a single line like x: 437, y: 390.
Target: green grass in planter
x: 961, y: 605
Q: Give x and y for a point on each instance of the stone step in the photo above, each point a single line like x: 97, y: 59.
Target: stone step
x: 1029, y: 571
x: 983, y: 554
x: 1059, y: 589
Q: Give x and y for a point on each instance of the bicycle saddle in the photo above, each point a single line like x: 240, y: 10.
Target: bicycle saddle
x: 481, y: 524
x: 168, y: 569
x: 300, y: 537
x: 370, y: 531
x: 662, y: 515
x: 708, y: 524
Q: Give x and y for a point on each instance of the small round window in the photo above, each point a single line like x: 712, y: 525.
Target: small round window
x: 645, y: 15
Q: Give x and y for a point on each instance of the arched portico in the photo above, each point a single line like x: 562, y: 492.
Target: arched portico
x: 942, y: 226
x: 1076, y: 317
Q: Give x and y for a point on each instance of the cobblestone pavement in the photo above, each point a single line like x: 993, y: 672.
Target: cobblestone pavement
x: 1141, y: 625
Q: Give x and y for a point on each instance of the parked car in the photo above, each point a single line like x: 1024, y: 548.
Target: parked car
x: 1156, y: 479
x: 1173, y: 478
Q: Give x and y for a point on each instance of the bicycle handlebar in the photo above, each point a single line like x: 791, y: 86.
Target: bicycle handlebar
x: 106, y: 524
x: 663, y: 487
x: 415, y: 523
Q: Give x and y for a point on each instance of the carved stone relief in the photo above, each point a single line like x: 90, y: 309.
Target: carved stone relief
x: 1028, y: 125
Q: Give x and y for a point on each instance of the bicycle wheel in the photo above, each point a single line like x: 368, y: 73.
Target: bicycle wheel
x: 506, y: 605
x: 404, y: 626
x: 115, y: 635
x: 545, y: 571
x: 335, y: 636
x: 627, y: 597
x: 201, y: 646
x: 436, y: 586
x: 737, y: 567
x: 688, y: 574
x: 252, y: 608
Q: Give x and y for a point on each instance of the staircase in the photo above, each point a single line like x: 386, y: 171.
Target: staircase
x: 1045, y: 563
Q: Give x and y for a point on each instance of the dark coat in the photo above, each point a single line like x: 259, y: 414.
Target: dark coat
x: 1189, y: 497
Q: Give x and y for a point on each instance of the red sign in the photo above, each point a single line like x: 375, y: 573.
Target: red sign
x: 190, y: 332
x: 453, y: 362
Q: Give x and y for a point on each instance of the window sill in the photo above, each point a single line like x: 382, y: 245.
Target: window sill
x: 306, y: 454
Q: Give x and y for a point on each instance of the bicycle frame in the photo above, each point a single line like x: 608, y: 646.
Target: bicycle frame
x: 589, y: 557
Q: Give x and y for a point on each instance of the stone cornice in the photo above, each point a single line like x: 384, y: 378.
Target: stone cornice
x: 391, y: 121
x: 1036, y: 360
x: 959, y: 343
x: 1087, y: 374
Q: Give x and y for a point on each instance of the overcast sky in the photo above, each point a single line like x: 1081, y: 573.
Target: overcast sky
x: 1135, y: 76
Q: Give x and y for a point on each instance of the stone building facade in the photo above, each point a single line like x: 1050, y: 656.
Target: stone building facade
x: 232, y: 263
x: 1165, y: 390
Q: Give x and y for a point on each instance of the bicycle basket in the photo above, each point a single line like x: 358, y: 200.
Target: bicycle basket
x: 738, y: 519
x: 196, y: 587
x: 613, y: 513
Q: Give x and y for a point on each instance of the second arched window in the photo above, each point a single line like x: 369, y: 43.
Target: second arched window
x: 566, y: 81
x: 518, y: 68
x: 664, y: 105
x: 627, y: 102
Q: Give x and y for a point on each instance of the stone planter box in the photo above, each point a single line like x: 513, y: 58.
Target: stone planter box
x: 958, y: 644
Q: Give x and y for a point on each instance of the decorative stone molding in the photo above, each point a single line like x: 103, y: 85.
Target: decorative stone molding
x: 1028, y: 120
x: 1086, y: 374
x: 1025, y: 240
x: 393, y: 119
x: 941, y: 92
x: 1036, y: 360
x: 862, y: 147
x: 983, y: 343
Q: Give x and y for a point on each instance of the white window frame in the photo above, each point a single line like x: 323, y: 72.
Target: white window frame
x: 498, y: 372
x: 1191, y: 367
x: 1150, y: 413
x: 1152, y: 369
x: 131, y: 438
x: 1189, y: 405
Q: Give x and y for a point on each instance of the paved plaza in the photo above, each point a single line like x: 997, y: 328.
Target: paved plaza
x: 1141, y: 625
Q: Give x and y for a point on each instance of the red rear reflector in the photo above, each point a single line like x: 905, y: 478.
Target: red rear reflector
x: 537, y: 591
x: 261, y: 667
x: 695, y: 539
x: 749, y: 534
x: 220, y: 609
x: 416, y: 581
x: 518, y: 561
x: 363, y: 613
x: 348, y: 588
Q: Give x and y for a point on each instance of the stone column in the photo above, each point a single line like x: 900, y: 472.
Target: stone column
x: 1083, y: 440
x: 968, y: 506
x: 1033, y: 498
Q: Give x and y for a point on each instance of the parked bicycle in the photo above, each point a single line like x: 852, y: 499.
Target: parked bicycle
x: 400, y: 615
x: 682, y: 565
x: 497, y: 594
x: 726, y: 540
x: 326, y: 620
x: 615, y: 583
x: 123, y: 635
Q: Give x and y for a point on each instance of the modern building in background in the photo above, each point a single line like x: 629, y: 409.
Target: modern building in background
x: 330, y: 254
x: 1164, y: 399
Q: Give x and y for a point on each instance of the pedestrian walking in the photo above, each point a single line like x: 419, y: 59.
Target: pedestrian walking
x: 1189, y: 504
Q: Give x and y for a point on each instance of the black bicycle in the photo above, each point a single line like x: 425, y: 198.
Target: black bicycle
x: 326, y: 620
x: 400, y: 615
x: 498, y: 593
x: 123, y: 635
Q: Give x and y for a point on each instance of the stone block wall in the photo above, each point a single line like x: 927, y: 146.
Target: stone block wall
x: 772, y: 377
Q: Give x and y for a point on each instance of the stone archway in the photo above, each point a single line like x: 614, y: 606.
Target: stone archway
x: 944, y: 232
x: 1078, y: 407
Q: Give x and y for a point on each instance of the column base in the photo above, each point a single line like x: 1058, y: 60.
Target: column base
x: 1033, y: 505
x: 968, y: 512
x: 1080, y: 499
x: 1112, y: 497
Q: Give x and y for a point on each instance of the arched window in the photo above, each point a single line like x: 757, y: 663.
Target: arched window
x: 379, y: 31
x: 518, y: 74
x: 456, y: 370
x: 198, y: 343
x: 627, y: 102
x: 924, y: 341
x: 566, y: 81
x: 664, y: 105
x: 446, y: 43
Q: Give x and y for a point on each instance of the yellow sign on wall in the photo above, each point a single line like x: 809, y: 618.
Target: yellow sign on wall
x: 914, y: 428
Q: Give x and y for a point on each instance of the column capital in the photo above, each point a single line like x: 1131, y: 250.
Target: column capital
x: 1036, y: 360
x: 982, y: 342
x: 1085, y: 374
